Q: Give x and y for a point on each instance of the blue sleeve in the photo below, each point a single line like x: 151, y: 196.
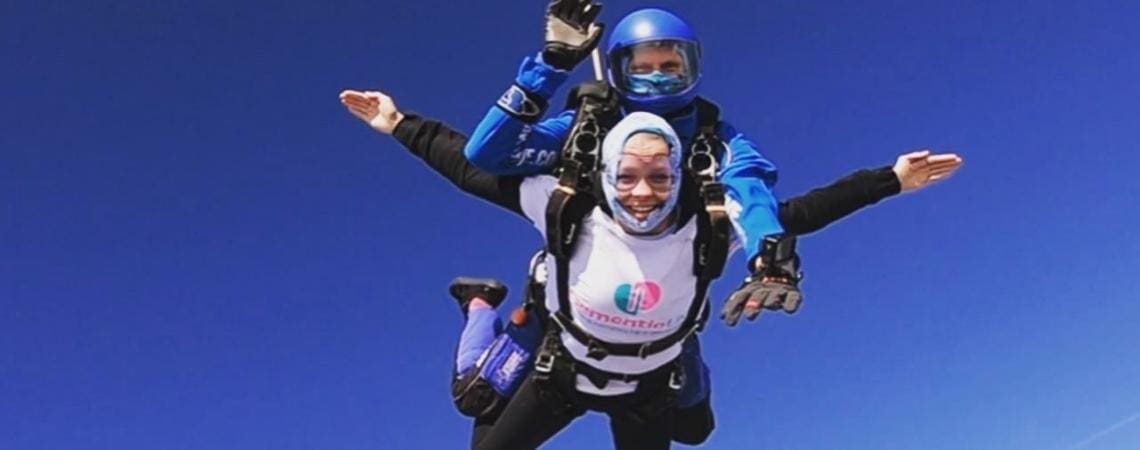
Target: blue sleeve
x: 749, y: 178
x: 506, y: 145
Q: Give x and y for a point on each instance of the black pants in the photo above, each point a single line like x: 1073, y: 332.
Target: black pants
x: 691, y: 426
x: 528, y: 422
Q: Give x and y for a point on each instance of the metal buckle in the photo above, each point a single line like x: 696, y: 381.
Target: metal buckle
x: 586, y: 140
x: 675, y: 380
x: 702, y: 164
x: 701, y: 145
x: 544, y: 362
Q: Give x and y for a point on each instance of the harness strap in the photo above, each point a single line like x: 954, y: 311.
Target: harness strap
x: 574, y: 198
x: 599, y: 350
x: 710, y: 252
x: 554, y: 363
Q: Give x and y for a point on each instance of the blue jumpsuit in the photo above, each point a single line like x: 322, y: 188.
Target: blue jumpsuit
x: 504, y: 145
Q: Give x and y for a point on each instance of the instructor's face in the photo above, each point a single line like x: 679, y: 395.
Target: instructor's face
x: 644, y: 178
x: 665, y: 59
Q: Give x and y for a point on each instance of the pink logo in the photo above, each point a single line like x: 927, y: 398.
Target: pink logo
x: 638, y: 297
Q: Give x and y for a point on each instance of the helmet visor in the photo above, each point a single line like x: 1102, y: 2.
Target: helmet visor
x: 655, y: 68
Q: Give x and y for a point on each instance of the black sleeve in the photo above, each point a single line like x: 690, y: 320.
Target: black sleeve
x: 441, y: 147
x: 823, y: 206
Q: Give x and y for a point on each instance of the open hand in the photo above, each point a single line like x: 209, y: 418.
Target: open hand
x: 918, y: 170
x: 374, y: 108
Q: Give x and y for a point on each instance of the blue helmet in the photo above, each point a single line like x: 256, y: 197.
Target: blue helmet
x: 654, y: 61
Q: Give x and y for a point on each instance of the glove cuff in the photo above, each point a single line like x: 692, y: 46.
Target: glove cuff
x: 777, y: 248
x: 778, y: 255
x: 521, y: 104
x: 561, y: 56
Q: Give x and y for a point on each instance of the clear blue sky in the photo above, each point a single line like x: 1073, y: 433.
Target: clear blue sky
x: 200, y: 249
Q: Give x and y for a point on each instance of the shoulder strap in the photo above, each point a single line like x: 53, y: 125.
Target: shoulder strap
x: 710, y: 249
x: 567, y: 208
x: 596, y: 111
x: 708, y: 116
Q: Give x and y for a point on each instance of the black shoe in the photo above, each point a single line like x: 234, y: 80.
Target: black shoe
x: 463, y: 289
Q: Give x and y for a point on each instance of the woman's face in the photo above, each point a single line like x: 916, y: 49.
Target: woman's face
x: 644, y: 178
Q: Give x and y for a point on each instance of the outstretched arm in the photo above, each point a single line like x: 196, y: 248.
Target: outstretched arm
x: 774, y: 286
x: 438, y: 145
x: 823, y: 206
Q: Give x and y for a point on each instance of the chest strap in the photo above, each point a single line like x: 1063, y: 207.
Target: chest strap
x: 574, y: 198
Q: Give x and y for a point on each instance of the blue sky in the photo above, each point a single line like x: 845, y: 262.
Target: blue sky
x: 200, y: 249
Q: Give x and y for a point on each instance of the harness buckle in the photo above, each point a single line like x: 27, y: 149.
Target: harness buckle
x: 596, y: 351
x: 676, y: 380
x: 703, y: 164
x: 544, y: 363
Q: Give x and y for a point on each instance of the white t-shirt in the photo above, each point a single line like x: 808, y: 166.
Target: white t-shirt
x: 623, y: 288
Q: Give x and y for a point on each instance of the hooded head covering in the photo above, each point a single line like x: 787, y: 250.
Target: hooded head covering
x: 613, y: 147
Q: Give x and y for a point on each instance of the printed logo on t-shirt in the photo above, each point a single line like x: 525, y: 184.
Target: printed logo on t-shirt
x: 638, y: 297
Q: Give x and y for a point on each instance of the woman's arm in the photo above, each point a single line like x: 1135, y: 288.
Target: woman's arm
x: 823, y: 206
x: 438, y: 145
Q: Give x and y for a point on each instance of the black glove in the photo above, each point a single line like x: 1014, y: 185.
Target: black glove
x: 571, y: 33
x: 775, y: 286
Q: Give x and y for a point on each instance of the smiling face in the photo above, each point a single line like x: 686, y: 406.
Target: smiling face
x: 644, y: 178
